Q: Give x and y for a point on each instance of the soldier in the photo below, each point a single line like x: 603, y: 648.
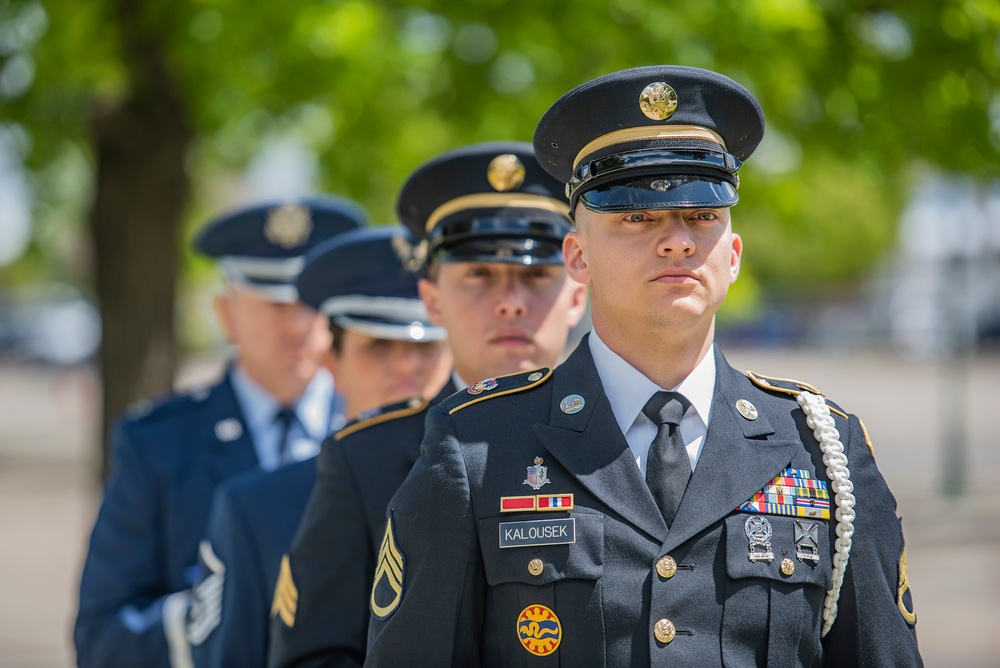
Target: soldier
x: 273, y: 405
x: 645, y: 503
x: 494, y: 224
x: 384, y: 351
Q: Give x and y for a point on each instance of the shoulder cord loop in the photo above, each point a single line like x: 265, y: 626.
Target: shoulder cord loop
x: 819, y: 420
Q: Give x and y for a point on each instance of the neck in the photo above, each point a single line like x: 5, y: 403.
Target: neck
x: 286, y: 393
x: 665, y: 355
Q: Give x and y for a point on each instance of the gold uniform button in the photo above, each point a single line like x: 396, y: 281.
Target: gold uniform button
x: 664, y: 631
x: 535, y: 567
x: 787, y: 566
x: 666, y: 567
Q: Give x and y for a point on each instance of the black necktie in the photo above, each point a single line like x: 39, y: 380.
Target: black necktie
x: 285, y: 419
x: 668, y: 467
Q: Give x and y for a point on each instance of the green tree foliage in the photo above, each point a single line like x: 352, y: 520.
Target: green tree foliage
x: 858, y: 96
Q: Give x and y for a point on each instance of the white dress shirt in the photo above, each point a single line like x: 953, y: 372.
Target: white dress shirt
x: 628, y: 390
x: 306, y: 433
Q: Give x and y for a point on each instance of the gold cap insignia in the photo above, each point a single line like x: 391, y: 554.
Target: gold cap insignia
x: 506, y: 172
x: 288, y: 225
x: 658, y: 101
x: 412, y: 256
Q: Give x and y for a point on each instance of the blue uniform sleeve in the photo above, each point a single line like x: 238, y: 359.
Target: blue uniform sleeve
x: 120, y: 617
x: 875, y: 625
x: 228, y: 624
x: 331, y: 562
x: 427, y: 599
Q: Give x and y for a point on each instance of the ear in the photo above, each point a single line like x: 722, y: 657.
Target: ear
x: 431, y: 297
x: 574, y: 257
x: 736, y: 258
x: 224, y: 311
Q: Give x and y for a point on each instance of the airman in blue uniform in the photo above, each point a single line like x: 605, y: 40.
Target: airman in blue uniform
x: 492, y: 222
x: 384, y: 350
x: 169, y: 460
x: 645, y: 504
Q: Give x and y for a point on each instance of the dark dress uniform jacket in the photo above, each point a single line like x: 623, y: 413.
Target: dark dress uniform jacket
x: 462, y: 594
x: 333, y: 555
x: 144, y: 546
x: 252, y: 524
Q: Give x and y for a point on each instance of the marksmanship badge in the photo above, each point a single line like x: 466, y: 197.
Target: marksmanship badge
x: 758, y: 530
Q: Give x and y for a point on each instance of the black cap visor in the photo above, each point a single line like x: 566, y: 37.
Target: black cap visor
x: 661, y: 192
x: 526, y: 240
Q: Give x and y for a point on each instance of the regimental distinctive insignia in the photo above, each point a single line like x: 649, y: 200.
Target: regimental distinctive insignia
x: 658, y: 101
x: 228, y: 430
x: 535, y: 376
x: 746, y: 409
x: 539, y: 630
x: 206, y: 597
x: 794, y: 493
x: 286, y: 595
x: 387, y: 591
x: 538, y: 475
x: 505, y: 172
x: 571, y: 404
x: 484, y: 386
x: 807, y: 541
x: 904, y: 587
x: 288, y: 225
x: 411, y: 256
x: 758, y: 530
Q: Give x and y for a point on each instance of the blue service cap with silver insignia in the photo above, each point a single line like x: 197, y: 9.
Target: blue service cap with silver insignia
x: 262, y: 248
x: 361, y: 282
x: 487, y: 202
x: 658, y: 137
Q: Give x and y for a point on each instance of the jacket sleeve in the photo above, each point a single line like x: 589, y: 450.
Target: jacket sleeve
x: 120, y: 620
x: 331, y: 565
x: 427, y: 599
x: 228, y: 625
x: 875, y: 625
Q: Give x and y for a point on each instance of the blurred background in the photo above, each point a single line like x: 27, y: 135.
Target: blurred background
x: 870, y: 216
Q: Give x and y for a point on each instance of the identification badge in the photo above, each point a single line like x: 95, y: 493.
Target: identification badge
x: 538, y: 532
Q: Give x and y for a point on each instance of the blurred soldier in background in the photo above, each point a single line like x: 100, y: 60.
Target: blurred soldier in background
x: 493, y: 224
x: 274, y: 404
x: 384, y: 351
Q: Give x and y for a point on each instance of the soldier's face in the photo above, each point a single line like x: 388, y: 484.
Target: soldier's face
x: 651, y: 269
x: 281, y: 346
x: 372, y: 372
x: 503, y: 318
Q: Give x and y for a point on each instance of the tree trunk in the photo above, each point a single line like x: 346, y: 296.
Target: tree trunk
x: 141, y: 189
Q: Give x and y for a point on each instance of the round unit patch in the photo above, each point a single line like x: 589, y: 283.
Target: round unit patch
x: 539, y: 630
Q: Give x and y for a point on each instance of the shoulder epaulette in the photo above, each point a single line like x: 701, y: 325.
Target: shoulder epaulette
x: 164, y: 406
x: 491, y: 388
x: 788, y: 386
x: 382, y: 414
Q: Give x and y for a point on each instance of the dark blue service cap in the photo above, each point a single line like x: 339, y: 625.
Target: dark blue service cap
x: 262, y: 248
x: 486, y: 203
x: 359, y: 280
x: 658, y: 137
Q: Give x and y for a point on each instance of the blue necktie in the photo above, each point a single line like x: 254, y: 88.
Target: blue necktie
x: 285, y: 418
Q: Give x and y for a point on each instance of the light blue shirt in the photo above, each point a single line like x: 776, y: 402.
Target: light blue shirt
x: 316, y: 418
x: 628, y: 390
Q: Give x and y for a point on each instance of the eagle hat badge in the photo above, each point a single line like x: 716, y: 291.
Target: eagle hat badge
x: 288, y: 225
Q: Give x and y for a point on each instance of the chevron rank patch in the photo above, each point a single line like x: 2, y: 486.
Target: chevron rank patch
x: 387, y: 591
x: 794, y: 493
x: 286, y: 595
x: 206, y: 597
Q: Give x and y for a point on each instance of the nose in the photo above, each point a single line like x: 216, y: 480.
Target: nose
x: 511, y: 303
x: 675, y: 239
x: 406, y: 359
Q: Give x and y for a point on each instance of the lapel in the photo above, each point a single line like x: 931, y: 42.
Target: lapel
x: 590, y: 445
x: 735, y: 463
x: 230, y: 445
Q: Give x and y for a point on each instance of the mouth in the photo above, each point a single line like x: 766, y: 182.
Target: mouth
x: 674, y: 276
x: 511, y: 337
